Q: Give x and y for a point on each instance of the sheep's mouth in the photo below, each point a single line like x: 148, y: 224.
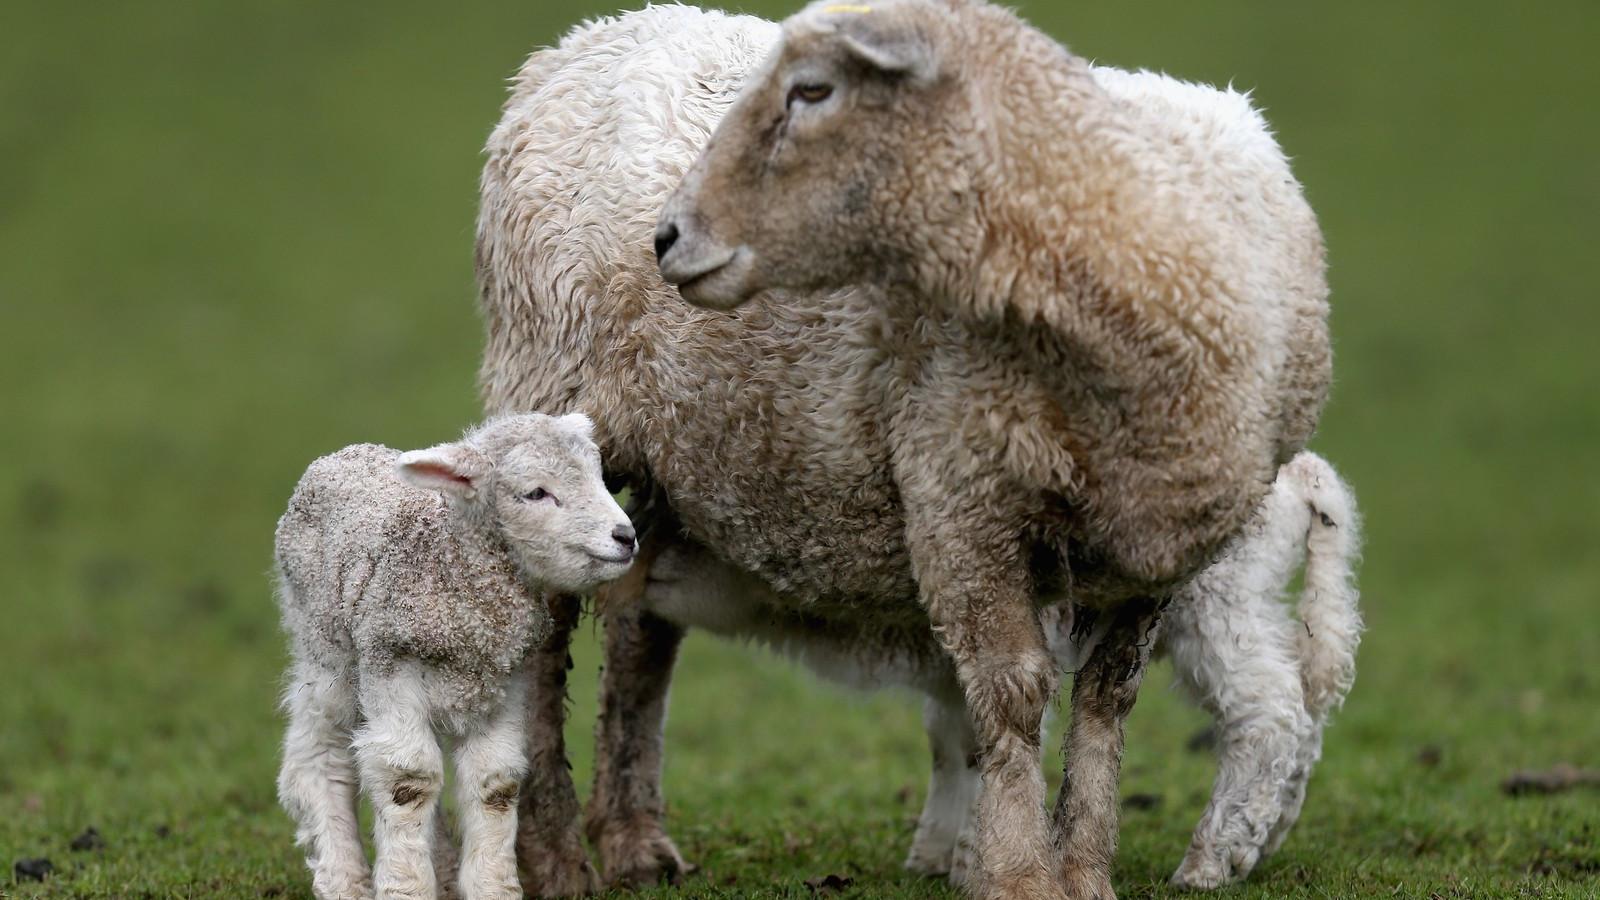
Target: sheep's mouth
x: 623, y: 558
x: 687, y: 288
x: 723, y: 283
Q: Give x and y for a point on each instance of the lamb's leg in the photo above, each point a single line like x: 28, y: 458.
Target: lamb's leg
x: 490, y: 766
x: 1235, y: 651
x: 624, y: 820
x: 318, y: 782
x: 953, y: 787
x: 549, y: 843
x: 980, y: 602
x: 1103, y: 693
x: 402, y: 770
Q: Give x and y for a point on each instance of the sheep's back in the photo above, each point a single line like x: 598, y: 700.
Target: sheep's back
x: 1236, y: 175
x: 593, y: 139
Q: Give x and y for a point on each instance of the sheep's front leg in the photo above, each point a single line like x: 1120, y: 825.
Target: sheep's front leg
x: 317, y: 783
x: 549, y: 843
x: 624, y: 821
x: 490, y: 766
x: 402, y: 770
x: 981, y: 606
x: 953, y: 787
x: 1103, y: 693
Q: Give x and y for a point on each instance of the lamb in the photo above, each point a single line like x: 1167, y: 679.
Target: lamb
x: 411, y: 587
x: 1130, y: 337
x: 757, y: 441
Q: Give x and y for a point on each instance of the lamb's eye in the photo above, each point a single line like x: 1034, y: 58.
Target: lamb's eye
x: 809, y: 93
x: 536, y: 494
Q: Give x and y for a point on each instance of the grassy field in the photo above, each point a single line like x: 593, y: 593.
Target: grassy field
x: 235, y: 236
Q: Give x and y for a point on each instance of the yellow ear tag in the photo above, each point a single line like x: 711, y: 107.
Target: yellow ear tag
x: 847, y: 8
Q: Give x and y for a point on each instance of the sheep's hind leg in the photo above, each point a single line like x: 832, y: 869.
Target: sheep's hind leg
x: 318, y: 782
x: 953, y: 786
x: 490, y: 766
x: 550, y: 850
x: 402, y: 770
x: 1103, y: 693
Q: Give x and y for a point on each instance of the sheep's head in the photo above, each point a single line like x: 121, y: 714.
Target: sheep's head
x: 535, y: 481
x: 846, y: 158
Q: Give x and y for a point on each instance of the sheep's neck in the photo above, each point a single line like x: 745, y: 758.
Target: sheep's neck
x: 1076, y: 238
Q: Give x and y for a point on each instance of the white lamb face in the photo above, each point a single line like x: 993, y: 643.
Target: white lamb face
x: 536, y: 479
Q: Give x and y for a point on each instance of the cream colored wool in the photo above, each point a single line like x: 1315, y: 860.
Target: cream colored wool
x: 779, y: 432
x: 1135, y: 320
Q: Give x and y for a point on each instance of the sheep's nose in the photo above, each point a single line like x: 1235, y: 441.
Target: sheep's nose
x: 666, y: 236
x: 623, y: 534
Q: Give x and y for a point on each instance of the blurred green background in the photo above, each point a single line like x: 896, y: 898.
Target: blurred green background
x: 236, y: 236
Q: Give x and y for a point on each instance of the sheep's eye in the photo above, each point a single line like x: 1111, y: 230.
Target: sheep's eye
x: 809, y: 93
x: 536, y: 494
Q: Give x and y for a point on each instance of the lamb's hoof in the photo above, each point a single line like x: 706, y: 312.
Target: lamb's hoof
x: 355, y: 886
x: 638, y: 854
x: 559, y: 872
x: 1207, y: 871
x: 1206, y: 875
x: 1087, y: 884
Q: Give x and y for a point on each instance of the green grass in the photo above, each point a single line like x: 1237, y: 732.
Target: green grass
x: 233, y: 237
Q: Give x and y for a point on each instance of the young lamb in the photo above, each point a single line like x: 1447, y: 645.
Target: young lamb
x: 412, y: 592
x: 773, y: 431
x: 1122, y: 323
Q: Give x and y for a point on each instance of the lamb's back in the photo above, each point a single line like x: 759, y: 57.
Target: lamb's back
x: 352, y: 531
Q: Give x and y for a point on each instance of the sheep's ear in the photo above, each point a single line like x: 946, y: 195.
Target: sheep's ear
x: 905, y: 55
x: 454, y: 469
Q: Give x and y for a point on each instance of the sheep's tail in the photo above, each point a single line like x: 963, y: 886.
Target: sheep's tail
x: 1329, y: 600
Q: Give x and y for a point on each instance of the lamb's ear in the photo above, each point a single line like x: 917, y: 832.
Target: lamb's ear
x: 455, y: 469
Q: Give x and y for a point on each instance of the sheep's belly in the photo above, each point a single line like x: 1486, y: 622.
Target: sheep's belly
x: 822, y: 561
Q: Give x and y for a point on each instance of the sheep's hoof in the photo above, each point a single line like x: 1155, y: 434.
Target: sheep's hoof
x: 929, y: 861
x: 1087, y: 884
x: 963, y: 859
x: 558, y: 870
x: 638, y: 854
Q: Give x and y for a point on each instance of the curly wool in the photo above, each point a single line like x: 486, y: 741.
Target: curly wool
x: 376, y: 570
x: 768, y: 428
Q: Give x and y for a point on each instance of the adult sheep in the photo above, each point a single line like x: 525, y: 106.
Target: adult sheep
x: 1114, y: 333
x: 706, y: 406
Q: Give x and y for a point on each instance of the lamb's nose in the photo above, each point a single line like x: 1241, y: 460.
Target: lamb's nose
x: 623, y: 534
x: 666, y: 236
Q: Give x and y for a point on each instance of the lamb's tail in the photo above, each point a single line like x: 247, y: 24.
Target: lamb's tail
x: 1329, y: 600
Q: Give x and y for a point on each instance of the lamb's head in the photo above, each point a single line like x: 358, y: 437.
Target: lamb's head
x: 848, y: 157
x: 535, y: 481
